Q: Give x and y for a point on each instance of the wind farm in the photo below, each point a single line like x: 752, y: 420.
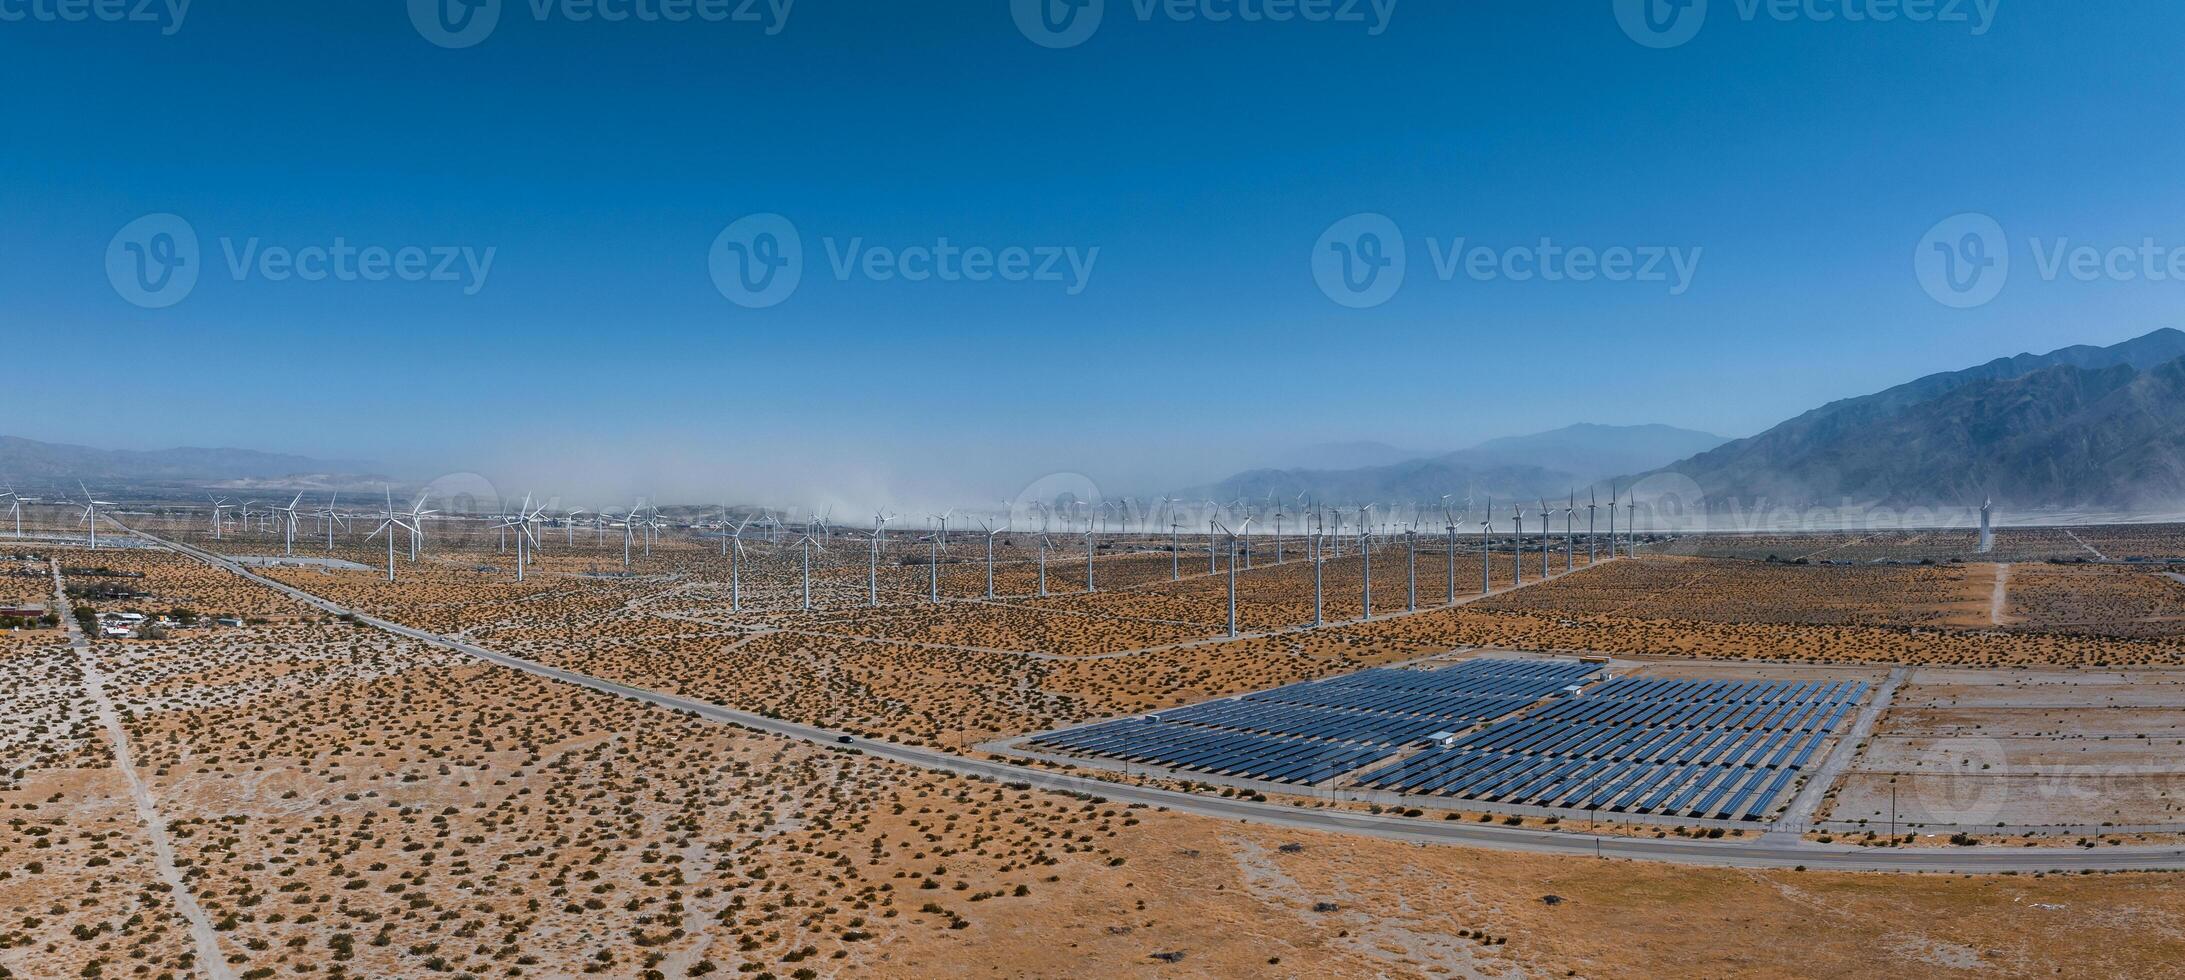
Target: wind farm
x: 1064, y: 488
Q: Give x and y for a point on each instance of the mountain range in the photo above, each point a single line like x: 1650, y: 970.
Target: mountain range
x: 27, y: 464
x: 1546, y: 464
x: 2081, y: 427
x: 2094, y: 428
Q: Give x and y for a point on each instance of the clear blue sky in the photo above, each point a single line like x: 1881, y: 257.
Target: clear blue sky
x: 1805, y: 160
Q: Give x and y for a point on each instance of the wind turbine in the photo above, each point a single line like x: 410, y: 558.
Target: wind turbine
x: 735, y: 567
x: 1089, y: 588
x: 1546, y: 570
x: 1487, y: 549
x: 332, y: 517
x: 1570, y: 553
x: 933, y: 567
x: 991, y: 531
x: 91, y: 513
x: 1233, y: 536
x: 1365, y: 554
x: 1593, y: 503
x: 288, y: 526
x: 1175, y: 541
x: 388, y: 527
x: 15, y: 509
x: 1320, y: 528
x: 525, y: 524
x: 1411, y: 566
x: 1631, y: 526
x: 1517, y: 515
x: 806, y: 544
x: 1612, y: 521
x: 1449, y: 561
x: 872, y: 558
x: 219, y: 508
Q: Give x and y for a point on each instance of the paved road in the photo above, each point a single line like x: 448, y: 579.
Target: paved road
x: 1750, y: 854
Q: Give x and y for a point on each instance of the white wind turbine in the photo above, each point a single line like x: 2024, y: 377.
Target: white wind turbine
x: 91, y: 513
x: 1487, y: 549
x: 1365, y: 553
x: 15, y: 509
x: 1570, y: 551
x: 1517, y: 516
x: 935, y: 541
x: 219, y: 514
x: 288, y: 526
x: 416, y: 527
x: 991, y: 531
x: 526, y: 526
x: 1233, y: 536
x: 735, y: 567
x: 393, y: 522
x: 872, y: 561
x: 332, y: 517
x: 1316, y: 547
x: 806, y: 544
x: 1593, y: 504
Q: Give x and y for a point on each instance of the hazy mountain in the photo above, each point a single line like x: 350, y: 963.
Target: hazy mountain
x: 1546, y: 464
x: 1590, y: 452
x: 2079, y: 427
x: 28, y: 463
x: 1346, y: 456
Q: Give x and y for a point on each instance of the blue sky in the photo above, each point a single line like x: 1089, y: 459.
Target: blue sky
x: 1801, y: 161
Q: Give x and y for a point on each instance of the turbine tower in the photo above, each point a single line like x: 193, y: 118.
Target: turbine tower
x: 991, y: 531
x: 1593, y: 503
x: 1365, y: 554
x: 1987, y: 526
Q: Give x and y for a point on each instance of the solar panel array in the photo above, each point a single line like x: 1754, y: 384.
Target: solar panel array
x: 1315, y: 730
x: 1721, y: 749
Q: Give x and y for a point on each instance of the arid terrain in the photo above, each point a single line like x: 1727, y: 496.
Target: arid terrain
x: 307, y: 794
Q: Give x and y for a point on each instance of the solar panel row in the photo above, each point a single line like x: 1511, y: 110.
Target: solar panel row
x: 1212, y: 750
x: 1699, y: 749
x: 1302, y: 732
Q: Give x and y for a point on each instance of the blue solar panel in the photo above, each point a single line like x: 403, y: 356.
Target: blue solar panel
x: 1685, y: 747
x: 1311, y: 731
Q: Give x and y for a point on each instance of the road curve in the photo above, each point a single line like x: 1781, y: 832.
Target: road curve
x: 1741, y: 854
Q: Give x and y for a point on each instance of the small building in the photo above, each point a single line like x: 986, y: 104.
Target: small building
x: 1442, y: 740
x: 31, y: 611
x: 1572, y: 691
x: 229, y: 621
